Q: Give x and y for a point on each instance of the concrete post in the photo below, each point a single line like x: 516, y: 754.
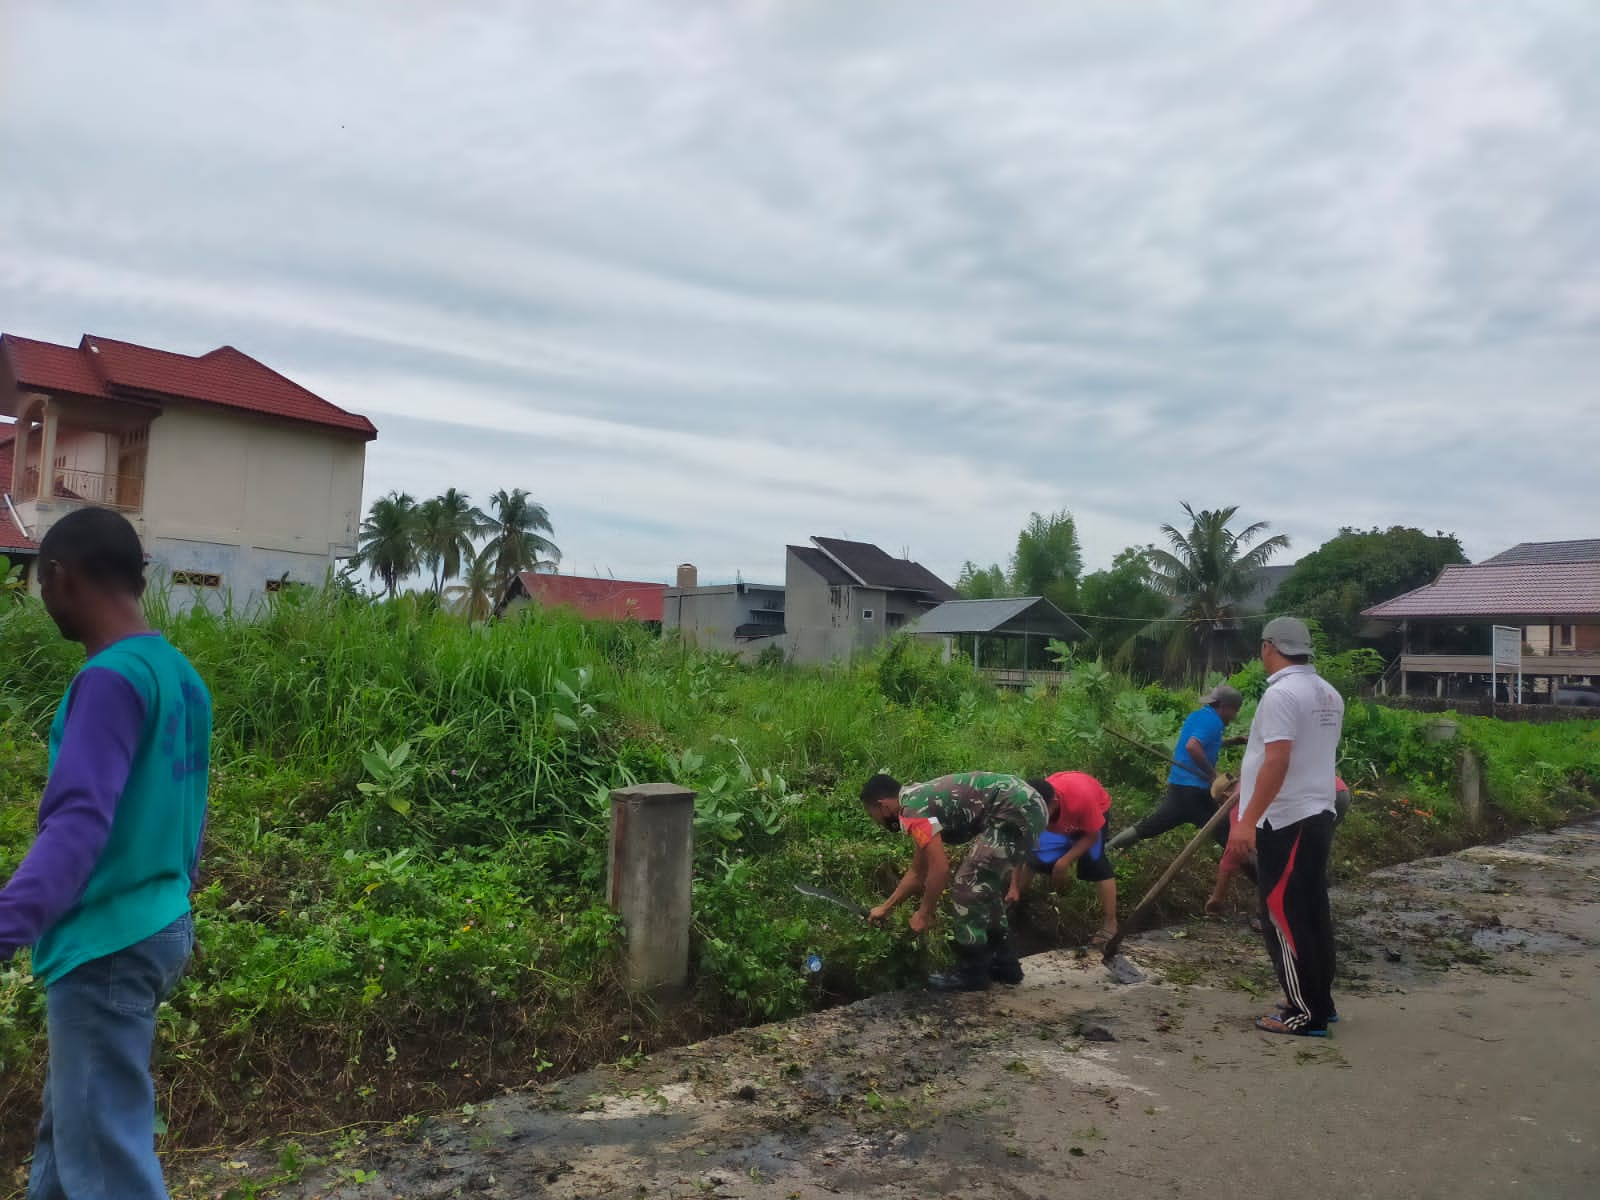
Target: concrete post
x: 649, y: 880
x: 1470, y: 788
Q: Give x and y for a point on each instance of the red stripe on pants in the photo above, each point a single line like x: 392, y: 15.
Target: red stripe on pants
x: 1275, y: 899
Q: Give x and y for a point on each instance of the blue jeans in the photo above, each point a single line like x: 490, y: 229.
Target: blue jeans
x: 97, y: 1137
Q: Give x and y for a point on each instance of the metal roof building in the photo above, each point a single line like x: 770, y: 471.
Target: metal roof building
x: 1024, y: 619
x: 1019, y: 616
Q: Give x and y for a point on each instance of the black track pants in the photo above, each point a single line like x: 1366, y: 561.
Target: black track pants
x: 1295, y: 917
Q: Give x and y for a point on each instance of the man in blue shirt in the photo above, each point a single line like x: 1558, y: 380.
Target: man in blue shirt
x: 1194, y: 765
x: 103, y: 894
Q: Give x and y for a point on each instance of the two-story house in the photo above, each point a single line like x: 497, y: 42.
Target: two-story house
x: 236, y: 478
x: 838, y: 599
x: 842, y: 598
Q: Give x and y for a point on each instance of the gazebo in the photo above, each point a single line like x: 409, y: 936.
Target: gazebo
x: 1016, y: 619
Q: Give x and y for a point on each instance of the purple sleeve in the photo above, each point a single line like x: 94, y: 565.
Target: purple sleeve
x: 105, y: 721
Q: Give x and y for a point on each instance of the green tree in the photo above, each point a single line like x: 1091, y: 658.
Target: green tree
x: 981, y: 583
x: 1208, y: 570
x: 1359, y: 568
x: 1049, y: 559
x: 388, y: 540
x: 449, y: 524
x: 1116, y: 603
x: 517, y: 542
x: 474, y: 597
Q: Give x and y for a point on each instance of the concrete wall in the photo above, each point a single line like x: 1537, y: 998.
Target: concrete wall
x: 819, y: 620
x: 243, y: 572
x: 707, y: 616
x: 222, y: 477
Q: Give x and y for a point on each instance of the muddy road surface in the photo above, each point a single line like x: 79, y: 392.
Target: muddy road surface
x: 1466, y: 1065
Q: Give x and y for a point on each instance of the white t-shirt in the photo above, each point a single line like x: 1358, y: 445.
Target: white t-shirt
x: 1300, y: 707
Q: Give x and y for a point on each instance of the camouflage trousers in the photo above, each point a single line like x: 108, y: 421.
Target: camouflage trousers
x: 977, y: 893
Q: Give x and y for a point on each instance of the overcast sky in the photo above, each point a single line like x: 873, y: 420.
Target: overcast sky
x: 709, y: 278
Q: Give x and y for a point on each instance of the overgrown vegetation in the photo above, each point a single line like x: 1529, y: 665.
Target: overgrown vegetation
x: 401, y: 902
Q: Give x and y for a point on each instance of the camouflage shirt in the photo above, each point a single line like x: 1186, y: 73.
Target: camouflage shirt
x: 960, y: 807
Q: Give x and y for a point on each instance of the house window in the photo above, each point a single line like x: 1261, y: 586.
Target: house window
x: 1564, y: 637
x: 894, y: 620
x: 866, y: 614
x: 200, y: 579
x: 275, y: 586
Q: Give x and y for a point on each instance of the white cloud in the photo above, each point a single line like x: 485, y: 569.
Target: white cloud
x: 708, y: 277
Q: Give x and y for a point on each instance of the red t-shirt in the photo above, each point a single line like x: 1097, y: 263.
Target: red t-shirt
x: 1082, y: 802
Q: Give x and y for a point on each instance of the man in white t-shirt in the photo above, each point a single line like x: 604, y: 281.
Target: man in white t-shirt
x: 1286, y: 802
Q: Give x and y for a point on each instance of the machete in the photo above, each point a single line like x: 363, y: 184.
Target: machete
x: 850, y: 906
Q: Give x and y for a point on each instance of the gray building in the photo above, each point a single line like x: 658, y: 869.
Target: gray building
x: 843, y: 598
x: 838, y: 599
x: 730, y: 616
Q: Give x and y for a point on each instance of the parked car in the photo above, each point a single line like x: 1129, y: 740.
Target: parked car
x: 1574, y: 693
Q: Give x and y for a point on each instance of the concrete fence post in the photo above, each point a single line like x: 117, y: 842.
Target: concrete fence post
x: 1470, y: 788
x: 649, y: 879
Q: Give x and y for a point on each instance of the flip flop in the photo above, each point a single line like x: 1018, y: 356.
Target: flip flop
x: 1283, y: 1008
x: 1274, y: 1024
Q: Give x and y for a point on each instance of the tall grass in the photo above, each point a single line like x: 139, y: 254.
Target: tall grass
x: 401, y: 898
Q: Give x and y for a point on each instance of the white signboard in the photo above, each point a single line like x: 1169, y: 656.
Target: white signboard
x: 1506, y: 656
x: 1508, y: 647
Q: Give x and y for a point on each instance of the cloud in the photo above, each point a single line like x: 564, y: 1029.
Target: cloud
x: 709, y: 278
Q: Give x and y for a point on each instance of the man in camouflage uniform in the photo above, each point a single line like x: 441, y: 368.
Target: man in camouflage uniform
x: 1001, y: 816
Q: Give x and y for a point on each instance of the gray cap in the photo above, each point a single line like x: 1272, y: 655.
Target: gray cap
x: 1223, y: 696
x: 1289, y: 635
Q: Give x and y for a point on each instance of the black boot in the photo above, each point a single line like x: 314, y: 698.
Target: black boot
x: 969, y: 974
x: 1004, y: 965
x: 1127, y: 837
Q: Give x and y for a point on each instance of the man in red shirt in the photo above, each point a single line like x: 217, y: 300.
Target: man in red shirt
x: 1075, y: 833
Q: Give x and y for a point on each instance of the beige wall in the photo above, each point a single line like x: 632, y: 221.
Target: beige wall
x: 217, y: 476
x: 84, y: 450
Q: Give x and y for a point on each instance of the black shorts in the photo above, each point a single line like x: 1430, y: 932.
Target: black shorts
x: 1094, y: 865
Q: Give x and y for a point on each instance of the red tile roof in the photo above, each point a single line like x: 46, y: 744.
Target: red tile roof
x: 1488, y: 591
x: 597, y: 599
x: 121, y: 370
x: 46, y: 367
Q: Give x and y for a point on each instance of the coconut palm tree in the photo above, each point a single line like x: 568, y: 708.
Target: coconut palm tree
x: 516, y: 541
x: 474, y: 596
x: 448, y: 526
x: 1208, y: 570
x: 387, y: 544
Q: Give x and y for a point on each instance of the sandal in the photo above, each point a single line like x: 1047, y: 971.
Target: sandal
x: 1333, y: 1019
x: 1276, y: 1024
x: 1099, y: 940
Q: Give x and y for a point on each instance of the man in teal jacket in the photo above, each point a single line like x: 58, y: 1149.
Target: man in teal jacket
x: 103, y: 894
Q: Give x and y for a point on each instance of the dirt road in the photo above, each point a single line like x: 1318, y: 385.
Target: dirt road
x: 1467, y: 1064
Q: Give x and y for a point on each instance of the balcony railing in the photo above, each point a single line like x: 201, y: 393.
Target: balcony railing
x: 89, y: 487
